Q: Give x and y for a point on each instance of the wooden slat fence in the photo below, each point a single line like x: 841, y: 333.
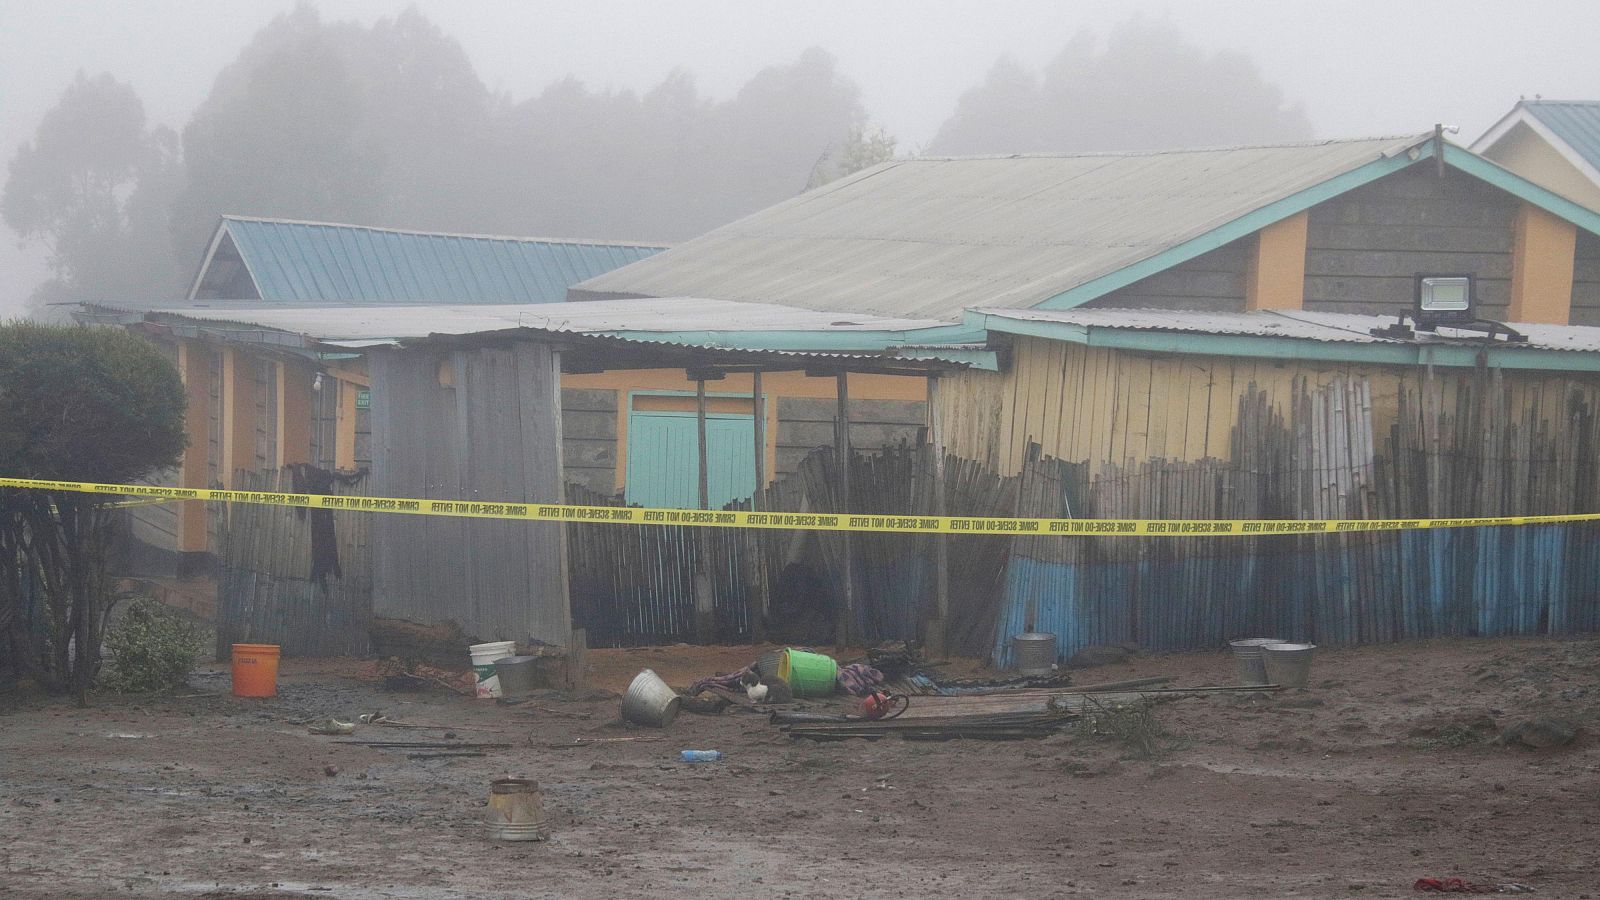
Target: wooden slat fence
x: 1462, y: 448
x: 265, y: 594
x: 636, y: 585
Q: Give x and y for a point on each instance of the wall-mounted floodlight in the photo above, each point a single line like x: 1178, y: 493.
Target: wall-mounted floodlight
x: 1448, y: 300
x: 1444, y: 299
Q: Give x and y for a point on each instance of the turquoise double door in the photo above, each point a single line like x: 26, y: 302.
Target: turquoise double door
x: 664, y: 459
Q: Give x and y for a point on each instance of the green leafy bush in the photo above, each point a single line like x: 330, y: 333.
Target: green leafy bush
x: 152, y: 648
x: 76, y: 404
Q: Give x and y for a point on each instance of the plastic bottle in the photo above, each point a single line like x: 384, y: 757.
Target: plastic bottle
x: 701, y: 755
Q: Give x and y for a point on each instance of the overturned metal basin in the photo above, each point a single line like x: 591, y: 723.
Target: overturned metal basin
x: 650, y: 701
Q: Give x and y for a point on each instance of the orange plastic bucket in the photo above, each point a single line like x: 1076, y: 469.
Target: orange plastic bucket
x: 255, y: 670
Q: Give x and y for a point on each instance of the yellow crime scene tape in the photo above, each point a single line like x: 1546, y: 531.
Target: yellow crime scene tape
x: 633, y: 515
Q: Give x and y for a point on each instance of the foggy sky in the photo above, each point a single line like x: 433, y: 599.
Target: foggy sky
x: 1360, y: 67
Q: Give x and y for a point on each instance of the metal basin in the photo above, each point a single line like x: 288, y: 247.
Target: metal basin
x: 650, y: 701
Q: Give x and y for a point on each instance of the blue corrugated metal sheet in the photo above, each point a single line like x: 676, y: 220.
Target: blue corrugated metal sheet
x: 1577, y: 122
x: 308, y: 261
x: 1471, y: 581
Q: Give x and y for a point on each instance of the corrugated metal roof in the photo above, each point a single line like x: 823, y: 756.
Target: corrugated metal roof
x: 933, y: 236
x: 652, y: 315
x: 1577, y: 122
x: 1301, y: 325
x: 642, y: 322
x: 316, y: 261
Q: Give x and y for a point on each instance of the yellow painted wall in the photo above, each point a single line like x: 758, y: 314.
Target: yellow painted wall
x: 1542, y: 255
x: 344, y: 429
x: 1275, y: 277
x: 774, y: 385
x: 240, y: 413
x: 295, y: 413
x: 1122, y: 407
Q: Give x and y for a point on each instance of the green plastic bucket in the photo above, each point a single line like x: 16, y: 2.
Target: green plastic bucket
x: 808, y: 674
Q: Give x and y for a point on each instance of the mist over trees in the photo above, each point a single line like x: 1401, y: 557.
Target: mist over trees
x: 668, y: 164
x: 391, y: 125
x: 333, y: 121
x: 1146, y: 88
x: 93, y: 187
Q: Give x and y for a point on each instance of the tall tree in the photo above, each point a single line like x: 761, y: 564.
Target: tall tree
x: 389, y: 124
x: 671, y: 163
x: 339, y: 122
x: 283, y: 133
x: 1147, y: 88
x: 93, y: 187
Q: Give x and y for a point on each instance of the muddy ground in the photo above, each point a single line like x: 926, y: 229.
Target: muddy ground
x: 1378, y: 775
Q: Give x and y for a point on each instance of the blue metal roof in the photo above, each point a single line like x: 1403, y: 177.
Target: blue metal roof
x: 321, y: 262
x: 1577, y: 122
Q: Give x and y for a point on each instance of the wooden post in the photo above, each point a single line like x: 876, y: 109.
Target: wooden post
x: 578, y: 638
x: 704, y: 599
x: 700, y: 423
x: 577, y: 661
x: 845, y: 619
x: 758, y: 416
x: 194, y: 365
x: 759, y: 420
x: 935, y: 640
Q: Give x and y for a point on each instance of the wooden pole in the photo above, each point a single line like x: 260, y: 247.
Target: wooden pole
x: 758, y: 415
x: 194, y: 365
x: 700, y: 422
x: 845, y: 620
x: 559, y: 440
x: 935, y: 639
x: 704, y: 599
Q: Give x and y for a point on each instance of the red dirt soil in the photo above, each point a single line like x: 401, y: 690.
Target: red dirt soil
x: 1374, y: 777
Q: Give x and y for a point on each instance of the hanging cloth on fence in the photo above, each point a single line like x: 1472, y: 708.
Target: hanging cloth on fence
x: 309, y: 479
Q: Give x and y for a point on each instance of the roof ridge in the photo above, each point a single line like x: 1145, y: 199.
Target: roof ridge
x: 1542, y: 102
x: 577, y: 242
x: 1173, y: 151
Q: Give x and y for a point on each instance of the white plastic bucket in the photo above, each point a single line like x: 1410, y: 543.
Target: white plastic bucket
x: 483, y: 657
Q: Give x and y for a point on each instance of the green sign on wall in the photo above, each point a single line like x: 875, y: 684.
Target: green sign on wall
x: 363, y: 399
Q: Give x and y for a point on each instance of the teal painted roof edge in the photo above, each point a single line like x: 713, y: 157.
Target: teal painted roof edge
x: 811, y: 339
x: 1247, y: 224
x: 916, y: 343
x: 1264, y: 347
x: 1456, y: 157
x: 1509, y: 181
